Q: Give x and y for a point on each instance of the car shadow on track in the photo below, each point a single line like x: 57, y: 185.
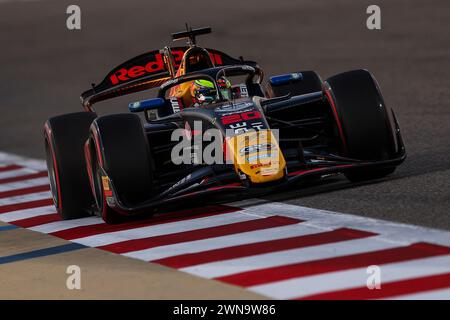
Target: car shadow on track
x: 329, y: 185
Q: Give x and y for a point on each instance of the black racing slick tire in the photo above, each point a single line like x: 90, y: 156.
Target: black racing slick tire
x: 65, y: 136
x: 311, y: 82
x: 118, y: 145
x: 362, y: 120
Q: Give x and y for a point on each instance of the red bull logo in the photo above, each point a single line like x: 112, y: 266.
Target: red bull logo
x: 153, y: 66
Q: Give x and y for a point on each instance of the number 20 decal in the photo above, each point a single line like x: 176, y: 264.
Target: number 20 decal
x: 233, y: 118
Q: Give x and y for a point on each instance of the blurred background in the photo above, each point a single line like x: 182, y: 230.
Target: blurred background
x: 44, y: 67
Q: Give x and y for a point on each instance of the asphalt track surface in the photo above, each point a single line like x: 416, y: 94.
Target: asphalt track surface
x: 44, y: 68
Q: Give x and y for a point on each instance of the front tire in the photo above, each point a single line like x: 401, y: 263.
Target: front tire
x: 65, y: 136
x: 362, y: 121
x: 118, y: 144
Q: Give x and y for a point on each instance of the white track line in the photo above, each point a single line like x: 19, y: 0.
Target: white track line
x: 10, y: 186
x: 9, y: 158
x: 26, y: 198
x: 67, y: 224
x: 443, y: 294
x: 354, y: 278
x: 27, y: 213
x: 16, y: 173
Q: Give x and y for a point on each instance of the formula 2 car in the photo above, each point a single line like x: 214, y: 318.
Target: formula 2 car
x: 117, y: 166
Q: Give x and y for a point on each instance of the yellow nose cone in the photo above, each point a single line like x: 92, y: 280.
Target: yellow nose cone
x: 258, y: 155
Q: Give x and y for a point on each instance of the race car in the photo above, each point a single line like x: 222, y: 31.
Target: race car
x: 273, y: 135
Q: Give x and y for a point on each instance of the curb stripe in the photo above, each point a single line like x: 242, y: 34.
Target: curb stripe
x: 27, y: 213
x: 16, y: 185
x: 199, y: 234
x: 10, y: 167
x: 35, y: 221
x: 24, y: 177
x: 442, y: 294
x: 286, y: 257
x: 6, y: 228
x: 19, y: 192
x: 25, y: 205
x: 25, y: 198
x: 91, y: 230
x: 390, y: 289
x: 394, y: 231
x: 66, y: 224
x: 268, y: 275
x: 188, y: 260
x: 162, y: 229
x: 157, y: 253
x: 353, y: 278
x: 16, y: 173
x: 41, y: 253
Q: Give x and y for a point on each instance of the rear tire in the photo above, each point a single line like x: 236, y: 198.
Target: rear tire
x: 65, y: 136
x: 310, y: 83
x: 119, y: 145
x: 362, y: 120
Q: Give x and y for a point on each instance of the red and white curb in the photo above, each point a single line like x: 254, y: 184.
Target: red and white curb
x: 278, y: 250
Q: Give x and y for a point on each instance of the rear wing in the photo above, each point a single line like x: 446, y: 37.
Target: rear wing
x: 143, y: 72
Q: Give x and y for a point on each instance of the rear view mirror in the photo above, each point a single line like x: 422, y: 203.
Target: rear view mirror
x: 150, y: 104
x: 285, y: 79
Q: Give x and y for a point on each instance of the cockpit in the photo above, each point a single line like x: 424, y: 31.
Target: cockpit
x: 209, y: 86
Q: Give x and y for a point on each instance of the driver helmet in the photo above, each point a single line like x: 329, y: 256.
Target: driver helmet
x: 203, y: 92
